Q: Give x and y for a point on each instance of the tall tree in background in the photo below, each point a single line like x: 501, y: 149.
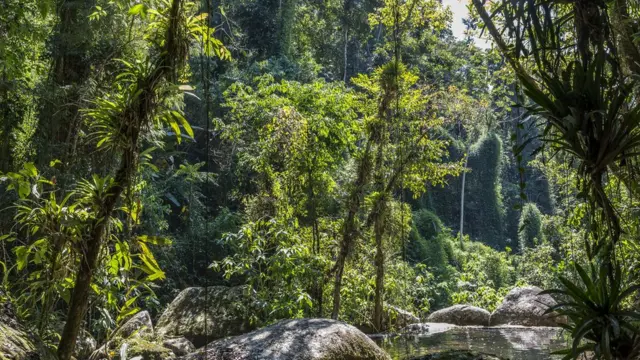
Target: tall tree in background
x: 71, y: 43
x: 401, y: 151
x: 24, y: 26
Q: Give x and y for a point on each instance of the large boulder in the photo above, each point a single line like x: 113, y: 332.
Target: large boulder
x: 138, y: 325
x: 461, y: 315
x: 302, y: 339
x: 524, y: 306
x: 226, y: 312
x: 395, y: 317
x: 85, y: 345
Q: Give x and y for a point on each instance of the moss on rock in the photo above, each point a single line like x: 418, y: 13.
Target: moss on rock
x: 15, y: 344
x: 148, y: 350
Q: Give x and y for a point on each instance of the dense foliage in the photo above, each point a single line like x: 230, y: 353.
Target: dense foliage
x: 342, y: 158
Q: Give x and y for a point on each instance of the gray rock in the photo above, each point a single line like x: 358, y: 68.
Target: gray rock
x: 180, y: 346
x: 85, y: 345
x: 523, y: 306
x: 227, y: 312
x: 139, y: 325
x: 16, y: 344
x: 302, y: 339
x: 415, y: 329
x: 458, y: 355
x: 461, y: 315
x: 427, y: 328
x: 395, y: 317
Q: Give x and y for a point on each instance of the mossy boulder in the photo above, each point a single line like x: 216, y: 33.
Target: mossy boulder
x: 458, y: 355
x: 147, y: 350
x: 224, y: 311
x: 461, y: 315
x: 301, y: 339
x: 136, y: 337
x: 16, y: 344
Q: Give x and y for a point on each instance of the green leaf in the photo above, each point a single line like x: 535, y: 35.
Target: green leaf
x: 24, y: 189
x: 31, y: 169
x: 155, y: 240
x: 22, y: 256
x: 176, y: 129
x: 185, y: 124
x: 138, y: 9
x: 172, y: 199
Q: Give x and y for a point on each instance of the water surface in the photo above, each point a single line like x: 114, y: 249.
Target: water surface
x: 510, y: 342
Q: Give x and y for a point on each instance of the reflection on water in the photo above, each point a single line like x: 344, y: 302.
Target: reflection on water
x: 510, y: 342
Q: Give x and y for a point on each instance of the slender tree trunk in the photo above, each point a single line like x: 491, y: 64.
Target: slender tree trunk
x: 315, y: 234
x: 346, y: 50
x: 286, y: 14
x: 345, y: 25
x: 379, y: 218
x: 89, y: 260
x: 379, y: 226
x: 350, y: 230
x: 5, y: 147
x: 338, y: 285
x: 464, y: 178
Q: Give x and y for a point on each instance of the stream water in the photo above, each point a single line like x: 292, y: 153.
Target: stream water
x: 509, y: 342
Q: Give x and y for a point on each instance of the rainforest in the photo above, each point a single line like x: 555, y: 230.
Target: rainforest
x: 319, y: 179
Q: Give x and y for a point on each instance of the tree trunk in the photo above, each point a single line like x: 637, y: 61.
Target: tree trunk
x: 345, y: 25
x: 338, y: 285
x: 315, y: 234
x: 5, y: 147
x: 626, y: 30
x: 379, y: 262
x: 286, y: 15
x: 89, y: 260
x: 346, y: 49
x: 350, y: 230
x: 134, y: 117
x: 464, y: 178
